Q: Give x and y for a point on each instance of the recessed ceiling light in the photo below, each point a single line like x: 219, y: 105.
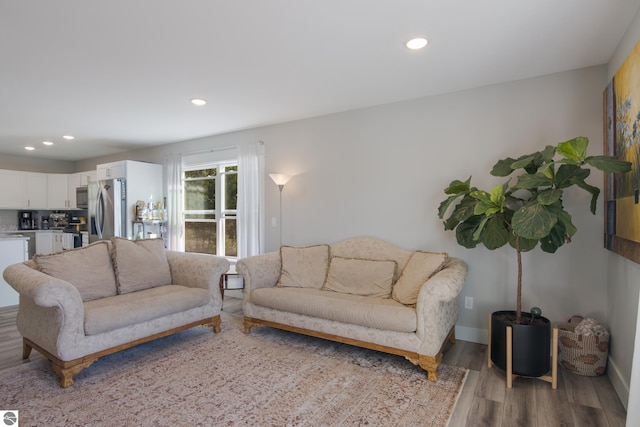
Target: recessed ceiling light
x: 47, y: 142
x: 198, y: 101
x: 29, y: 148
x: 68, y: 137
x: 417, y: 43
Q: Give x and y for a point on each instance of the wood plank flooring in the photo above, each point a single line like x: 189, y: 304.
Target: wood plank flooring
x: 485, y: 401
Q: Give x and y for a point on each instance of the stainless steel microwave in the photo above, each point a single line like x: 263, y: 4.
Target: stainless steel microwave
x: 82, y: 197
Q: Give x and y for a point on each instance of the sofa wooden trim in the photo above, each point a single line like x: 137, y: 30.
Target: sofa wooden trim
x: 428, y: 363
x: 66, y: 369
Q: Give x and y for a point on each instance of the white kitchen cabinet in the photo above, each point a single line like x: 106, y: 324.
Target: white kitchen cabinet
x: 12, y: 251
x: 57, y: 241
x: 87, y: 177
x: 23, y: 190
x: 44, y: 242
x: 13, y: 189
x: 73, y: 182
x: 36, y: 190
x: 58, y: 191
x: 48, y: 242
x: 112, y: 170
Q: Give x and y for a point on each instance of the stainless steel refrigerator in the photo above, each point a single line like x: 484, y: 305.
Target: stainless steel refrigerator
x: 107, y: 209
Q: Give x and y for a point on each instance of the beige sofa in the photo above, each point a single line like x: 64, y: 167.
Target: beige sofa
x: 361, y: 291
x: 78, y: 305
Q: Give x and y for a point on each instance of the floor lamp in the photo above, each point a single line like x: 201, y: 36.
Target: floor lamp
x: 280, y: 180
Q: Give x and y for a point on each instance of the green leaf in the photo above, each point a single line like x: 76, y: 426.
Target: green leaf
x: 548, y: 153
x: 567, y: 174
x: 565, y: 218
x: 533, y: 221
x: 444, y: 206
x: 575, y: 149
x: 533, y: 181
x: 595, y: 192
x: 464, y: 232
x: 525, y: 244
x: 549, y: 196
x: 458, y: 187
x: 608, y: 164
x: 503, y: 167
x: 524, y: 161
x: 495, y: 233
x: 554, y: 239
x: 479, y: 228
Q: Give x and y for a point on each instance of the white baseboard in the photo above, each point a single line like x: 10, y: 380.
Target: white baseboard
x: 619, y: 384
x: 465, y: 333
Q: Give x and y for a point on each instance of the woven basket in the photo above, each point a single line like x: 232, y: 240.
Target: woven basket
x: 582, y: 355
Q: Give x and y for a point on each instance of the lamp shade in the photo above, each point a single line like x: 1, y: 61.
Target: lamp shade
x: 279, y: 178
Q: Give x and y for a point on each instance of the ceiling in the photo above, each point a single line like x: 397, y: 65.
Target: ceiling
x: 119, y: 74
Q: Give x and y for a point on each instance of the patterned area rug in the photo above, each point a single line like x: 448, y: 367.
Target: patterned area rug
x: 266, y: 378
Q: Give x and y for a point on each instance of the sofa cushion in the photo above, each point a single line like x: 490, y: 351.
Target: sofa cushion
x: 379, y: 313
x: 373, y: 249
x: 304, y: 267
x: 140, y: 264
x: 421, y: 266
x: 360, y: 277
x: 89, y: 269
x: 118, y: 311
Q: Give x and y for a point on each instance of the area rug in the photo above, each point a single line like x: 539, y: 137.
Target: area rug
x: 267, y: 378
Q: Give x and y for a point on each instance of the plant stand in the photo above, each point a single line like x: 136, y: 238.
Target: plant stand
x: 553, y: 378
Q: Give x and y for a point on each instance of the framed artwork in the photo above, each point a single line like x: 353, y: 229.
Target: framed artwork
x: 621, y: 100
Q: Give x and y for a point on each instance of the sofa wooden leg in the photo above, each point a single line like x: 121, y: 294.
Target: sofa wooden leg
x: 66, y: 373
x: 452, y: 336
x: 215, y: 324
x: 26, y: 349
x: 431, y: 365
x: 248, y: 324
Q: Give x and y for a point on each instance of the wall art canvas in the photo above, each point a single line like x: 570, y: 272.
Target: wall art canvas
x: 622, y: 139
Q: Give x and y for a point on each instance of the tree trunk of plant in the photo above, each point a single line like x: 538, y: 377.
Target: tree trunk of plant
x: 519, y: 296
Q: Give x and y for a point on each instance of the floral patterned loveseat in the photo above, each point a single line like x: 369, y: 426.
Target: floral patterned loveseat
x: 361, y: 291
x: 85, y: 303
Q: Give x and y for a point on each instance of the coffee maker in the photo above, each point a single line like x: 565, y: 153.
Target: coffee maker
x: 26, y: 220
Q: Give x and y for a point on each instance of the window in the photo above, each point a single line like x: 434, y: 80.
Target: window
x: 210, y: 209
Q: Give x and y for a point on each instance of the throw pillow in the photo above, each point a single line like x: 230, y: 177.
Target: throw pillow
x: 89, y: 269
x: 360, y: 276
x: 140, y: 264
x: 421, y: 266
x: 304, y: 267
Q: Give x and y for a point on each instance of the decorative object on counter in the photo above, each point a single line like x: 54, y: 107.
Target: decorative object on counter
x: 583, y: 346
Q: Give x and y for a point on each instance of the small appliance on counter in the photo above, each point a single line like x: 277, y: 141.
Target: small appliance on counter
x: 58, y: 221
x: 26, y: 220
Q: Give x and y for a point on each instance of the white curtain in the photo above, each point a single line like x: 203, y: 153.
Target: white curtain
x: 250, y: 199
x: 175, y: 224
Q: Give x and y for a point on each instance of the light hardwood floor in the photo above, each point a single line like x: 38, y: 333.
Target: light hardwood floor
x: 485, y: 401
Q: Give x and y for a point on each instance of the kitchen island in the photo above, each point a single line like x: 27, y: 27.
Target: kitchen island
x: 13, y: 249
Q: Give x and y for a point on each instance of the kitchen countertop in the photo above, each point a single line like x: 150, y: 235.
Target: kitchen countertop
x: 13, y: 237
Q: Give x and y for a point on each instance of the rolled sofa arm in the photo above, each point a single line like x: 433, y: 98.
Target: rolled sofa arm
x: 437, y: 306
x: 198, y: 271
x: 51, y: 310
x: 260, y: 271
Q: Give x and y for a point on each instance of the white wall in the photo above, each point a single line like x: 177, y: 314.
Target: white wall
x: 623, y: 289
x: 35, y: 164
x: 381, y: 172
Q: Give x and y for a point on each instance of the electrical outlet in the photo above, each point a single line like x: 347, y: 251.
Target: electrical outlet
x: 274, y: 222
x: 468, y: 303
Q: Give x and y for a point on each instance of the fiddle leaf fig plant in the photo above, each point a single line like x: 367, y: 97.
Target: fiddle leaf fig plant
x: 528, y: 208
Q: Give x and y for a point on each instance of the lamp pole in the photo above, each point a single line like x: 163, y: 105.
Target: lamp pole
x: 280, y: 180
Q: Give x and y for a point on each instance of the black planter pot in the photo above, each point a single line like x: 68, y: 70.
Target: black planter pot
x: 531, y: 344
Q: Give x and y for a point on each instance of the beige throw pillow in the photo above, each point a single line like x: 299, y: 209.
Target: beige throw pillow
x: 89, y: 269
x: 140, y: 264
x: 360, y: 277
x: 304, y: 267
x: 421, y: 266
